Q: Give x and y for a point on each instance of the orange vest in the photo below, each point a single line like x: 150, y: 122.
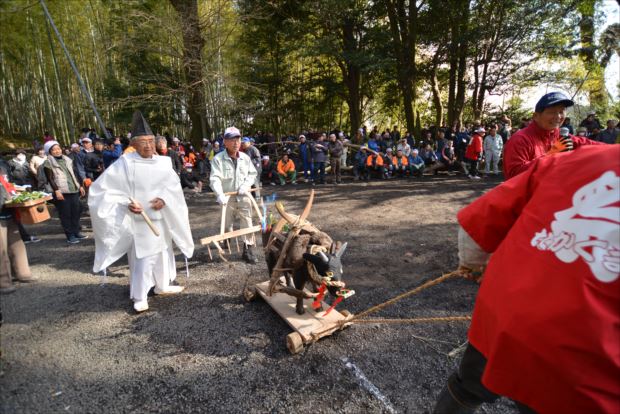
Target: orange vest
x: 403, y: 160
x: 285, y: 168
x: 369, y: 160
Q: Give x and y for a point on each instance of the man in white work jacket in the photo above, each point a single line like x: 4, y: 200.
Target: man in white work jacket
x: 233, y: 171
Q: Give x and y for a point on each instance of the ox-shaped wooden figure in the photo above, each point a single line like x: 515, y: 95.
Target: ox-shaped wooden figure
x: 301, y: 256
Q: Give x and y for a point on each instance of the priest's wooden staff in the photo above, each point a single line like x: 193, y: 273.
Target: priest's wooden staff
x: 146, y: 218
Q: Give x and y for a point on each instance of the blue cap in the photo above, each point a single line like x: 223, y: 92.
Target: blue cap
x: 552, y: 98
x: 246, y: 139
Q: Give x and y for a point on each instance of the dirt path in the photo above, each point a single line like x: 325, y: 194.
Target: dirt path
x: 70, y: 344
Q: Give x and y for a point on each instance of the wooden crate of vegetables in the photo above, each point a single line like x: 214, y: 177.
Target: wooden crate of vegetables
x: 31, y: 207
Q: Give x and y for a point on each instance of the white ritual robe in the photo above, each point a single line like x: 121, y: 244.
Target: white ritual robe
x: 119, y: 231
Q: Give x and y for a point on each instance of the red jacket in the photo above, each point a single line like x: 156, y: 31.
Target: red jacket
x: 474, y: 149
x: 531, y: 143
x: 547, y: 316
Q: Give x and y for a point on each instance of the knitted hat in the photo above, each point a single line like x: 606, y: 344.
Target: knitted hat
x: 48, y: 146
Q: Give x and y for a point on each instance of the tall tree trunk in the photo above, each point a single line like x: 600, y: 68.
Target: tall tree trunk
x: 193, y: 43
x: 595, y: 86
x: 351, y: 73
x: 436, y: 91
x: 63, y: 102
x: 461, y: 82
x: 403, y: 27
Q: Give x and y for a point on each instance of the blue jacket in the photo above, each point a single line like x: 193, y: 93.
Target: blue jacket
x: 110, y: 156
x: 373, y: 145
x: 304, y: 152
x: 417, y: 160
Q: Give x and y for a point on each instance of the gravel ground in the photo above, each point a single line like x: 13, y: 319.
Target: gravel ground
x: 72, y: 344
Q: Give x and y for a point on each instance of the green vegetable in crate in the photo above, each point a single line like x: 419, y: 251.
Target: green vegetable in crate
x: 27, y: 196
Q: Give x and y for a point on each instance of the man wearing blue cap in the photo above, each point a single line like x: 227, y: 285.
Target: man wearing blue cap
x: 542, y: 136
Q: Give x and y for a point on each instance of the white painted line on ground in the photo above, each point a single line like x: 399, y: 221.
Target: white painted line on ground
x: 367, y: 385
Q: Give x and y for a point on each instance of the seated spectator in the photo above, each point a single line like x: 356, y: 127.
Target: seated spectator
x: 400, y: 164
x: 410, y: 140
x: 374, y: 165
x: 404, y: 147
x: 416, y: 163
x: 441, y: 141
x: 286, y: 170
x: 610, y: 134
x: 447, y: 161
x: 427, y: 139
x: 387, y: 162
x: 373, y: 144
x: 268, y: 172
x: 428, y: 155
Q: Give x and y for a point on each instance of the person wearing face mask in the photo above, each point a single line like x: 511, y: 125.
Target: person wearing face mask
x: 66, y: 190
x: 541, y: 137
x: 19, y: 169
x: 582, y: 132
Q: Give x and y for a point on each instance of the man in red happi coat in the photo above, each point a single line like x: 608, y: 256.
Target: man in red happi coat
x: 546, y: 325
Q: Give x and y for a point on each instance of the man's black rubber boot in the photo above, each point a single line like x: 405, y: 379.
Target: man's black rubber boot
x: 447, y: 404
x: 248, y: 254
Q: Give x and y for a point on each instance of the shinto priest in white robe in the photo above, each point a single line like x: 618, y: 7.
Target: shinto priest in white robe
x: 118, y: 231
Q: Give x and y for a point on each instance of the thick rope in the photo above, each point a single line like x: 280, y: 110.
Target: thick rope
x: 416, y: 320
x: 412, y: 292
x: 356, y: 318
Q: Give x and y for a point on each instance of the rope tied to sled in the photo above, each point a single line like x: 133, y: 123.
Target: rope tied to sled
x: 466, y: 273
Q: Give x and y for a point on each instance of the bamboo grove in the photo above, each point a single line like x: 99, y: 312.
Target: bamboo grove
x: 195, y: 66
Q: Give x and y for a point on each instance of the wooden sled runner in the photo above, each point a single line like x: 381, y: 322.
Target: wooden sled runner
x: 310, y: 326
x: 235, y: 234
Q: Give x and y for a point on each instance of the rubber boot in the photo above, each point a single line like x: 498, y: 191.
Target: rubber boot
x: 447, y: 404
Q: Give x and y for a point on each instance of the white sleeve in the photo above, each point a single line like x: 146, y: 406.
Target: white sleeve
x: 215, y: 178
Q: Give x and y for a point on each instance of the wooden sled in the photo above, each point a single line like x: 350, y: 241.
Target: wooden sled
x: 235, y: 234
x: 312, y: 325
x: 309, y: 327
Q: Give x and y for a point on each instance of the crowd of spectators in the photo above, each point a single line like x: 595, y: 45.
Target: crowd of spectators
x: 67, y: 172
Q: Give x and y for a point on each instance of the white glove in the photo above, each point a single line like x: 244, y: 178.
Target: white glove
x: 222, y: 199
x: 243, y: 191
x: 470, y: 254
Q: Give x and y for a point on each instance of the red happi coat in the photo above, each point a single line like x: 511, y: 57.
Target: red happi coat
x: 547, y: 316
